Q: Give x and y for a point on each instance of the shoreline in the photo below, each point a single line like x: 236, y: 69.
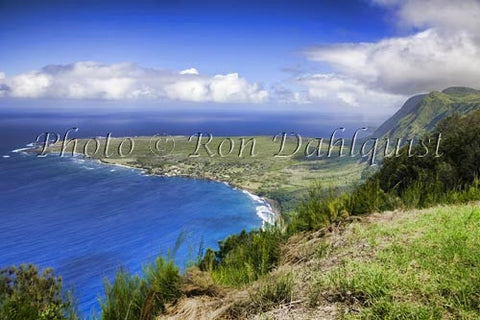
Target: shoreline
x: 266, y: 209
x: 272, y: 214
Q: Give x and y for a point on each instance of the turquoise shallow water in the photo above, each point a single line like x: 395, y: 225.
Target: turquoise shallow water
x: 87, y: 219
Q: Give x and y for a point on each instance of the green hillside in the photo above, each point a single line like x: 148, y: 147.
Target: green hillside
x: 421, y: 113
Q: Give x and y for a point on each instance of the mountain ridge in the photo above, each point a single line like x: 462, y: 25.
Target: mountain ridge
x: 421, y: 113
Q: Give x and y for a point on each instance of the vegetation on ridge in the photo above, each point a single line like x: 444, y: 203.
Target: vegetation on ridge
x: 420, y: 114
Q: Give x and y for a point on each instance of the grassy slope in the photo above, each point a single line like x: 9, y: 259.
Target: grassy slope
x: 278, y: 178
x: 421, y: 264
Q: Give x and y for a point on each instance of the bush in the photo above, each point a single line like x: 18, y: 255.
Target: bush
x: 124, y: 298
x: 319, y: 209
x: 26, y: 293
x: 164, y: 281
x: 132, y: 297
x: 244, y: 257
x: 369, y: 197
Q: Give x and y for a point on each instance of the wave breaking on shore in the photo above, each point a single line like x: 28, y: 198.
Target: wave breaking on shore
x: 264, y: 209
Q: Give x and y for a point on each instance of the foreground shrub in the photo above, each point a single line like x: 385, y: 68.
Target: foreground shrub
x: 27, y: 294
x: 124, y: 298
x: 131, y: 297
x: 244, y: 257
x: 164, y: 281
x: 369, y: 197
x: 319, y: 209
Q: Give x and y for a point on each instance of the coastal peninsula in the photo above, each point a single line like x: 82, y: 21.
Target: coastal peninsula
x: 259, y: 169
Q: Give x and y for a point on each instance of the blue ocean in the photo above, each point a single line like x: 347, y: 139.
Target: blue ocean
x: 86, y: 219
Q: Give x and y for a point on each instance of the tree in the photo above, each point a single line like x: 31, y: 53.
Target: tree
x: 27, y: 294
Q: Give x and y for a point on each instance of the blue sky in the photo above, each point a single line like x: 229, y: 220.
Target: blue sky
x: 312, y: 54
x: 256, y: 38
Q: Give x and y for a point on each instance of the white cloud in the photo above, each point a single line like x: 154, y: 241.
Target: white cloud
x: 232, y: 87
x: 287, y: 95
x: 220, y: 88
x: 446, y: 53
x: 91, y: 80
x: 30, y: 84
x: 335, y: 90
x: 3, y: 87
x: 406, y: 65
x: 189, y: 71
x: 443, y: 14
